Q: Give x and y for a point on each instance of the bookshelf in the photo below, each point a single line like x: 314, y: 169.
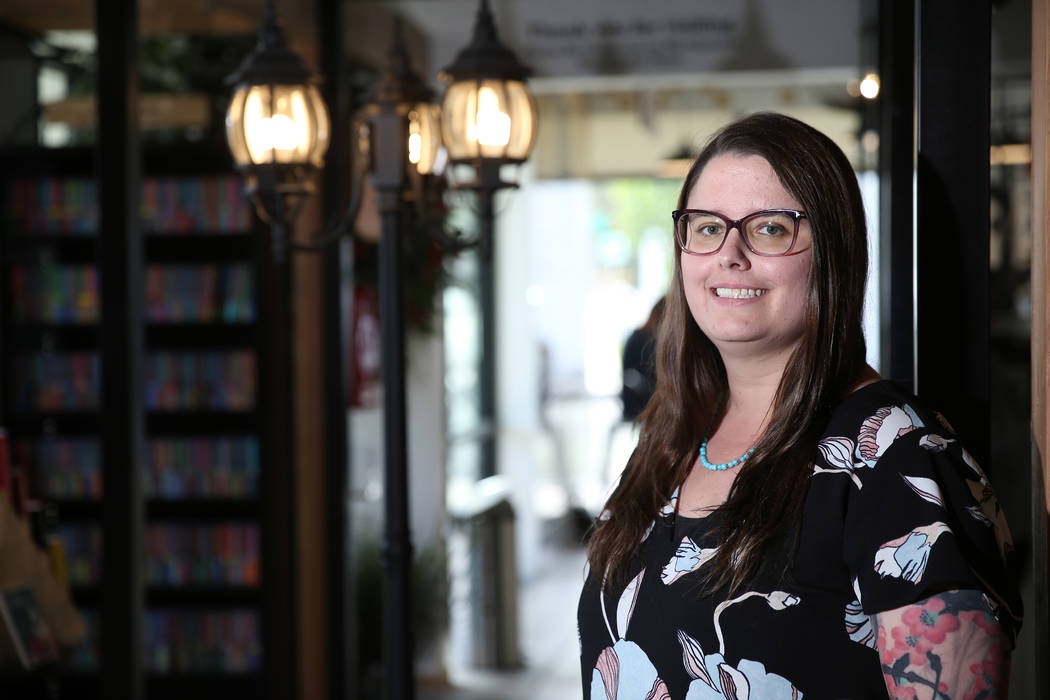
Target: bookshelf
x: 202, y: 466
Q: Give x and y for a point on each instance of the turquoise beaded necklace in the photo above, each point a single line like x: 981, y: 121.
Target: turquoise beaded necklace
x: 721, y: 467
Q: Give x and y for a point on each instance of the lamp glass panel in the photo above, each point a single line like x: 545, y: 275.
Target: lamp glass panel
x: 522, y: 110
x: 424, y: 136
x: 323, y: 132
x: 455, y: 110
x: 235, y: 127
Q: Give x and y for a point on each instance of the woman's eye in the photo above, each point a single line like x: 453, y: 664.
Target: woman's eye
x: 769, y: 230
x: 709, y: 229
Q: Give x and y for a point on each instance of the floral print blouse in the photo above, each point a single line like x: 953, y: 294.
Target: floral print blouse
x: 896, y: 511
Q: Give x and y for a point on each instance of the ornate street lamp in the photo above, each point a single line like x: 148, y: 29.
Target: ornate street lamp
x: 401, y: 91
x: 277, y: 128
x: 488, y: 117
x: 488, y: 120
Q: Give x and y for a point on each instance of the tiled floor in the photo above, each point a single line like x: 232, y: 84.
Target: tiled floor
x: 547, y: 638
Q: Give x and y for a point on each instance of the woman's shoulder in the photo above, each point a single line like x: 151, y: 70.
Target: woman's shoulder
x: 919, y: 513
x: 884, y: 405
x: 878, y: 416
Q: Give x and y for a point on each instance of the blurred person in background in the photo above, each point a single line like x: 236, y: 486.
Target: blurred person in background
x: 639, y: 364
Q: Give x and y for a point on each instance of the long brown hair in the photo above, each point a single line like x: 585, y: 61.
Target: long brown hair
x: 691, y: 380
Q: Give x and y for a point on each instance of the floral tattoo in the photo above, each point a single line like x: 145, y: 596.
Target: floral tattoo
x: 947, y: 647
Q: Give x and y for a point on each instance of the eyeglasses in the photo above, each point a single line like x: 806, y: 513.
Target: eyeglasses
x: 769, y: 232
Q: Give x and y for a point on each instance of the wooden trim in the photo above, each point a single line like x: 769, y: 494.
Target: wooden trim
x: 1040, y: 250
x: 309, y: 456
x: 1039, y: 614
x: 157, y: 17
x: 204, y: 17
x: 155, y: 111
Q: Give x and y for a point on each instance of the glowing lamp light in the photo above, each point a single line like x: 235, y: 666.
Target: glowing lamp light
x: 490, y: 125
x: 869, y: 86
x: 278, y: 133
x: 415, y: 145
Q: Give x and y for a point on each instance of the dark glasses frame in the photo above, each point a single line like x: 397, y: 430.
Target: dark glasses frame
x: 738, y: 224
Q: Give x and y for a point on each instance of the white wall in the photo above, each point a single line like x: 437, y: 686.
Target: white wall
x: 424, y: 374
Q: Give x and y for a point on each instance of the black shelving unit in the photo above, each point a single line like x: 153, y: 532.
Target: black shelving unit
x: 203, y: 617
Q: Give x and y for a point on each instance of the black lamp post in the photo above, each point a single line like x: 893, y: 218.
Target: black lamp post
x: 488, y: 119
x: 277, y: 129
x: 402, y: 145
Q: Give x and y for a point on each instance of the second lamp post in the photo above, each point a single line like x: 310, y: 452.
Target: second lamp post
x: 402, y: 146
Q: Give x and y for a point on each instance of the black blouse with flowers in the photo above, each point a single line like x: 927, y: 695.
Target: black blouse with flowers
x: 896, y: 512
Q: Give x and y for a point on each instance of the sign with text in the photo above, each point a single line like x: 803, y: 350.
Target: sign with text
x: 558, y: 38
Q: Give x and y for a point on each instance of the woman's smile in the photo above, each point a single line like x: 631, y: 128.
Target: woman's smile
x: 738, y: 292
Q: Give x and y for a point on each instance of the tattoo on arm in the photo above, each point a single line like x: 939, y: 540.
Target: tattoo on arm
x: 947, y: 647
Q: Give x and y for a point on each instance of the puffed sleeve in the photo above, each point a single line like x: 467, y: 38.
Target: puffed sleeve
x: 922, y: 518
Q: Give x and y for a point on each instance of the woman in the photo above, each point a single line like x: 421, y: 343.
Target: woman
x: 789, y: 524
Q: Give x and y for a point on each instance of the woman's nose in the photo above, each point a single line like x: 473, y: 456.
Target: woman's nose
x: 733, y: 252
